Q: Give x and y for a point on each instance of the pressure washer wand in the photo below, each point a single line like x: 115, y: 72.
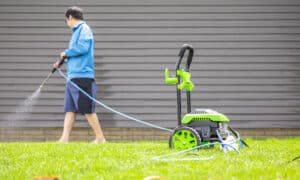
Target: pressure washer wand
x: 61, y: 62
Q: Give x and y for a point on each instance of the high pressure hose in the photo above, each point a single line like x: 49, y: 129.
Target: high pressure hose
x: 61, y: 62
x: 161, y: 157
x: 111, y: 109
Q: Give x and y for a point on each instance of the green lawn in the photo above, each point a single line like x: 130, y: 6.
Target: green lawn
x: 265, y: 159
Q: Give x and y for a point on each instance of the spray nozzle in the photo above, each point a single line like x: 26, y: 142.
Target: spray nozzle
x: 61, y: 62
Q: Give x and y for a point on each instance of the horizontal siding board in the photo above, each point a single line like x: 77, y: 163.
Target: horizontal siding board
x: 153, y: 38
x: 157, y: 24
x: 159, y: 74
x: 154, y: 2
x: 167, y: 61
x: 167, y: 52
x: 28, y: 16
x: 204, y: 82
x: 165, y: 96
x: 155, y: 67
x: 171, y: 103
x: 169, y: 110
x: 160, y: 45
x: 162, y: 118
x: 156, y: 9
x: 150, y: 81
x: 161, y: 67
x: 28, y: 88
x: 101, y: 31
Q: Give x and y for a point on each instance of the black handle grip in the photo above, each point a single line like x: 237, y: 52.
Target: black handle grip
x: 184, y: 48
x: 190, y: 56
x: 61, y: 62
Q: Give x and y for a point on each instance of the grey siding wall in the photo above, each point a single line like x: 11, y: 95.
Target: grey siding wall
x: 246, y: 64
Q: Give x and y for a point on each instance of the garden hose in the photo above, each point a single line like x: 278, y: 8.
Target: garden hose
x: 166, y: 157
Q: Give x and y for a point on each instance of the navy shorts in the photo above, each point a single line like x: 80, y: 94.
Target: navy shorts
x: 76, y: 101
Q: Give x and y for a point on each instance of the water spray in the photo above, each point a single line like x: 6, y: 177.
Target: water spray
x: 61, y: 62
x: 24, y: 109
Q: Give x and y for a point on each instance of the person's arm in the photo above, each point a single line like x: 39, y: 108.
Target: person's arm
x: 81, y: 45
x: 78, y: 48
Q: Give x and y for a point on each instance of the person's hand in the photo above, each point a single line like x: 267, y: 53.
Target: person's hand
x: 62, y: 55
x: 55, y: 65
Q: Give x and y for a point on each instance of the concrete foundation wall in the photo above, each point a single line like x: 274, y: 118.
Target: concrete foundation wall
x: 122, y: 134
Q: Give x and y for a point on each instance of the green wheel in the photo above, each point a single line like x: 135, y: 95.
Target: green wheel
x: 184, y: 138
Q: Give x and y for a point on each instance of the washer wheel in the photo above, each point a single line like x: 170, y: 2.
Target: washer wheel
x: 184, y: 138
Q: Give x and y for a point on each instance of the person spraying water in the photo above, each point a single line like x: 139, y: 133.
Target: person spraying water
x: 80, y: 70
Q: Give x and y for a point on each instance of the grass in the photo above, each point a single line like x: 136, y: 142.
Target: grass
x: 265, y: 159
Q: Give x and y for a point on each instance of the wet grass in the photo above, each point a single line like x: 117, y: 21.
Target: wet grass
x: 265, y: 159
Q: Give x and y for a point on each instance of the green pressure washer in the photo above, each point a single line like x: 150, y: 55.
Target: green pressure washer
x: 200, y: 126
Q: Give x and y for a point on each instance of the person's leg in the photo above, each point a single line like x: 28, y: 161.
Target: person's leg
x: 70, y: 109
x: 68, y: 124
x: 94, y: 123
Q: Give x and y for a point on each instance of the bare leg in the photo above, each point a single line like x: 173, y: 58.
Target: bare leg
x: 68, y: 124
x: 94, y: 123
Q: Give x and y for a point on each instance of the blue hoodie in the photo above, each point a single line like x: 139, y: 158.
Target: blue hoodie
x: 80, y: 54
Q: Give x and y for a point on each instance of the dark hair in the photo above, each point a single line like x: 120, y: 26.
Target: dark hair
x: 75, y: 12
